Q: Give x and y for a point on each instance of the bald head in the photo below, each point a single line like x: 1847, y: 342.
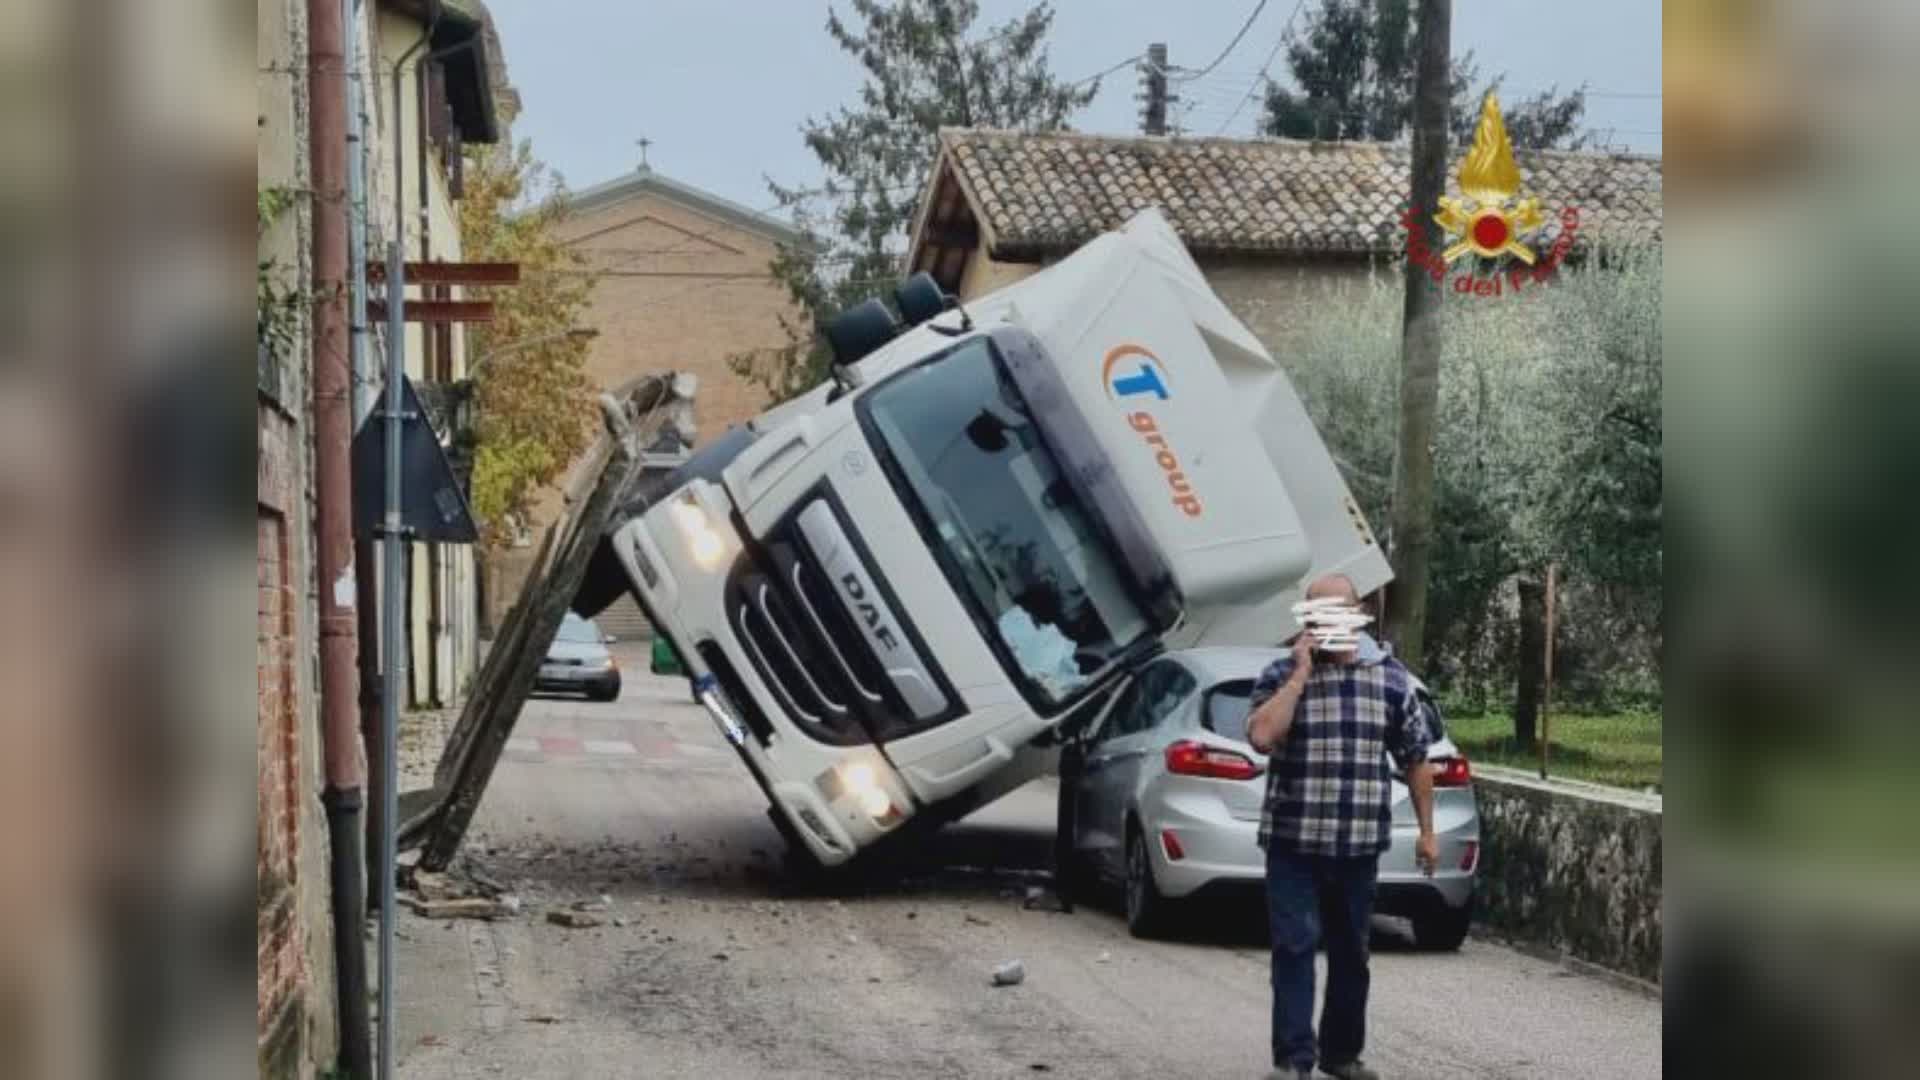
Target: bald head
x: 1335, y: 586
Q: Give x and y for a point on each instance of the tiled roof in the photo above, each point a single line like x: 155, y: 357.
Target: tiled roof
x: 1037, y: 194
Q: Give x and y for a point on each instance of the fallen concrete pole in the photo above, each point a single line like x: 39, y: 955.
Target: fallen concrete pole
x: 436, y: 819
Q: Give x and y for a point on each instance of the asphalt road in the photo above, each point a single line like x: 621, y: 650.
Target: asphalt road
x: 713, y: 963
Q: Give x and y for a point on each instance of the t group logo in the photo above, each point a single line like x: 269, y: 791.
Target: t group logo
x: 1147, y: 375
x: 1141, y: 381
x: 1483, y: 225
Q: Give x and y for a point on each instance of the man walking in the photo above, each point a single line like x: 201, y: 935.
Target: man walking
x: 1328, y: 722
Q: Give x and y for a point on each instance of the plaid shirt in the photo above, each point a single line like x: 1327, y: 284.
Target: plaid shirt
x: 1329, y: 790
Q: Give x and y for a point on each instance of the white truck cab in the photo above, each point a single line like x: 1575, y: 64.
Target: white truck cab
x: 887, y: 589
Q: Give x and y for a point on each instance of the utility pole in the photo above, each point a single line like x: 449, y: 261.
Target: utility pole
x: 1412, y: 518
x: 1153, y: 118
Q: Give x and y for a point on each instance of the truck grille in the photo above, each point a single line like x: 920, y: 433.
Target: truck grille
x: 789, y: 658
x: 805, y: 647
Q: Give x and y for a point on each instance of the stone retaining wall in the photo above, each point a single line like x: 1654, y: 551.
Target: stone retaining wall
x: 1572, y: 867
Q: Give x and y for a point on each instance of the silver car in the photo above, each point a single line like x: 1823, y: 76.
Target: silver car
x: 1167, y: 795
x: 578, y: 661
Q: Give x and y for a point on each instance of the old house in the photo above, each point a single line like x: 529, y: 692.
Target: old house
x: 446, y: 102
x: 452, y: 106
x: 1272, y: 222
x: 682, y: 285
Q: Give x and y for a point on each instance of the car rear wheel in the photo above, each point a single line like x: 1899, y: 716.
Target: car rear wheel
x: 1146, y: 908
x: 1442, y: 929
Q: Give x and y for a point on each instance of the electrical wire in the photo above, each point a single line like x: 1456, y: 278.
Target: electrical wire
x: 1103, y: 74
x: 1272, y: 55
x: 1231, y: 45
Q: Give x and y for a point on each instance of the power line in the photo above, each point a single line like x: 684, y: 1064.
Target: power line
x: 1244, y: 27
x: 1103, y: 74
x: 1261, y: 78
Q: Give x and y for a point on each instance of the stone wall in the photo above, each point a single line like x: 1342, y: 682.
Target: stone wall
x: 1575, y: 868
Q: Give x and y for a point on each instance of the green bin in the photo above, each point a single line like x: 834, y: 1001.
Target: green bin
x: 664, y: 662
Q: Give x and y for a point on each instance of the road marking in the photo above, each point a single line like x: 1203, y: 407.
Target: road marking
x: 559, y: 744
x: 610, y: 746
x: 523, y: 745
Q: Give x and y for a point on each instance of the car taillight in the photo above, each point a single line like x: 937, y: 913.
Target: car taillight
x: 1189, y: 758
x: 1171, y: 844
x: 1452, y: 772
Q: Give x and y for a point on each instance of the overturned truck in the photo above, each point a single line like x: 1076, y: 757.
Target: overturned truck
x: 890, y: 593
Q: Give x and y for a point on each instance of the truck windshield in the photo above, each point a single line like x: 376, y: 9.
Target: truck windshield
x: 962, y: 446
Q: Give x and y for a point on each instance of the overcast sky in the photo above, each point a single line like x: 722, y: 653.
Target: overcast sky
x: 722, y: 86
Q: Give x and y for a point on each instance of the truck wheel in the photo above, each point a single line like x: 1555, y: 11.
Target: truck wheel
x: 1441, y: 928
x: 797, y: 858
x: 1147, y: 910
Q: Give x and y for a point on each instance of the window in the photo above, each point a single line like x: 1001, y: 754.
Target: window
x: 1120, y: 718
x: 1227, y: 708
x: 577, y: 630
x: 967, y: 457
x: 1150, y: 699
x: 1169, y: 686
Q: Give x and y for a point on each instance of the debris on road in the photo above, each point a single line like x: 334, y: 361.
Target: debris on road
x: 1011, y: 973
x: 977, y: 920
x: 573, y: 920
x: 465, y: 907
x: 546, y: 1018
x: 591, y: 905
x: 431, y: 886
x: 1103, y: 958
x: 1040, y: 899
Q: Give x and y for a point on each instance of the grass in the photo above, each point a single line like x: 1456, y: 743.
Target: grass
x: 1620, y: 749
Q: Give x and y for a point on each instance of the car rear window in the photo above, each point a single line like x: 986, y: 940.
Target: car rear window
x: 1226, y: 712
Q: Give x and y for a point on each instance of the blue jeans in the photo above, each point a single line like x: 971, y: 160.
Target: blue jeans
x: 1311, y: 897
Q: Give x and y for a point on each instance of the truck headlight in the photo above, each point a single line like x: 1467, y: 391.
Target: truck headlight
x: 859, y: 779
x: 704, y: 542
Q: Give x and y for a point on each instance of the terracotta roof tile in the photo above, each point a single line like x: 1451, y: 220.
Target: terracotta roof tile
x: 1042, y: 193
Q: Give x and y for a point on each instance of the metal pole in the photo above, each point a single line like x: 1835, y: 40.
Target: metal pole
x: 393, y: 580
x: 391, y: 647
x: 1546, y: 702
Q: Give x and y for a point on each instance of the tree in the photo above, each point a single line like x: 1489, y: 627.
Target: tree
x: 1547, y: 449
x: 923, y: 72
x: 531, y: 404
x: 1353, y: 78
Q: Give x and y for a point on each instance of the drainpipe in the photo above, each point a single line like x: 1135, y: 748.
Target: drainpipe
x: 365, y: 379
x: 333, y: 511
x: 429, y: 366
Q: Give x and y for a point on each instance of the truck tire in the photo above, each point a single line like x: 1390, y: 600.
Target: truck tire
x: 797, y: 858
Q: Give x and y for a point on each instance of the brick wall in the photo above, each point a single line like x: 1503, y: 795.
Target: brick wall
x: 679, y: 290
x: 282, y: 970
